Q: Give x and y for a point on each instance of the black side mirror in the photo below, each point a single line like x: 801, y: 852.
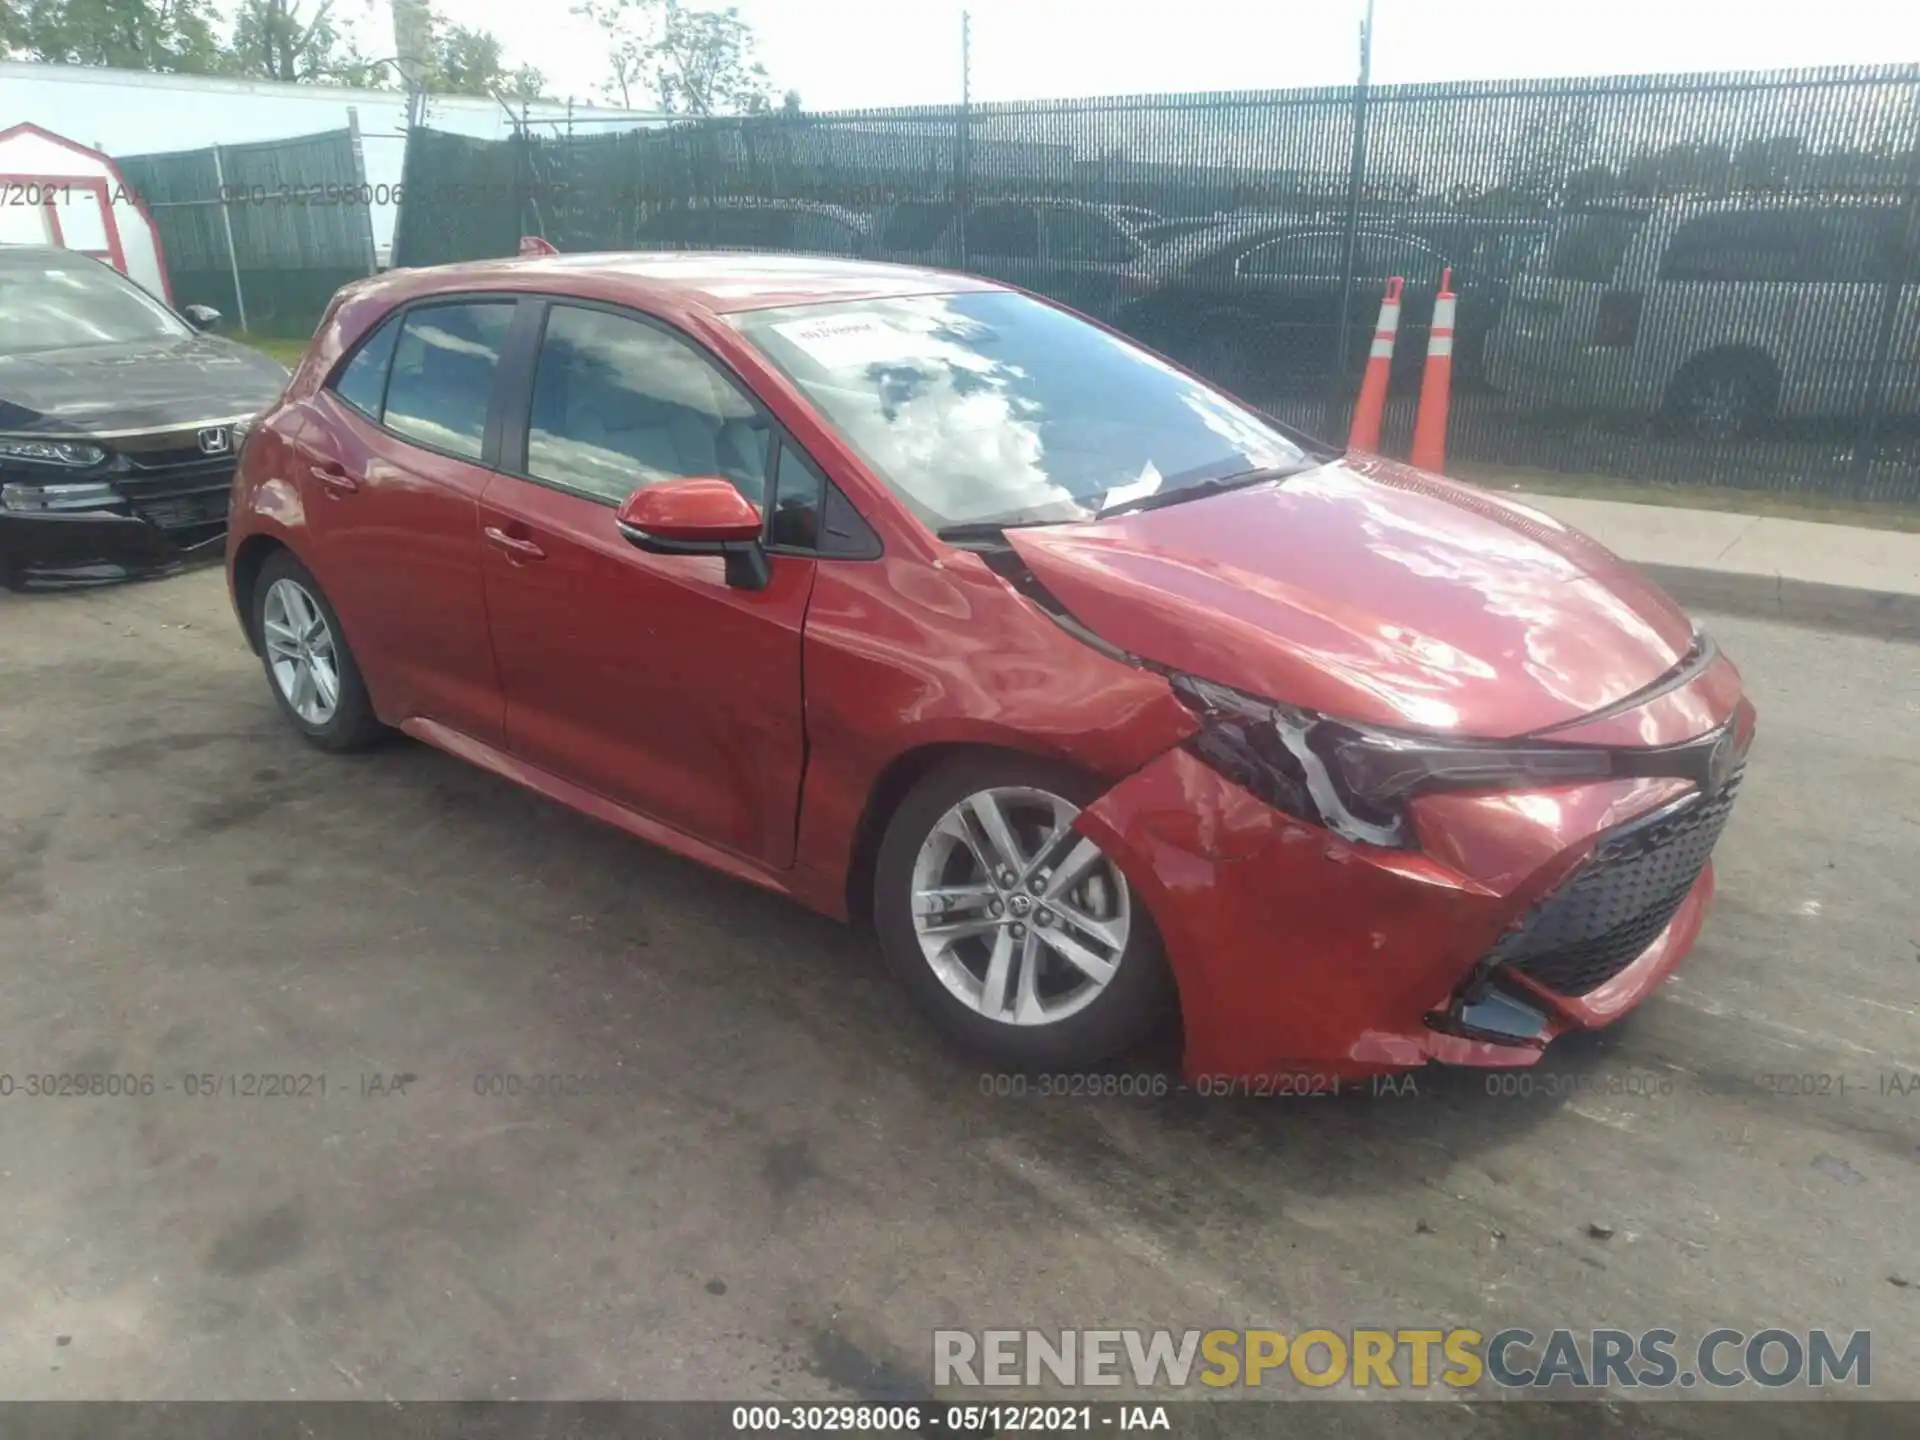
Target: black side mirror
x: 201, y: 317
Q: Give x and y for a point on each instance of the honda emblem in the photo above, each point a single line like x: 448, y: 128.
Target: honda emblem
x: 216, y: 440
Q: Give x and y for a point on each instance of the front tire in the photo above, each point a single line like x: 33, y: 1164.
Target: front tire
x: 1016, y: 934
x: 309, y: 666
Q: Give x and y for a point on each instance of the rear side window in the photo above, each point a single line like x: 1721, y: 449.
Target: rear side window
x: 915, y: 225
x: 1809, y: 246
x: 1320, y: 254
x: 363, y: 383
x: 1008, y: 232
x: 1378, y: 256
x: 1085, y: 235
x: 813, y: 231
x: 443, y: 363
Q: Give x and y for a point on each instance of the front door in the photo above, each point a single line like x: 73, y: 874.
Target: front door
x: 645, y: 678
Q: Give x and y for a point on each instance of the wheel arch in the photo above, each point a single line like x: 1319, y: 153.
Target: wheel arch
x: 244, y: 577
x: 896, y: 780
x: 1740, y: 355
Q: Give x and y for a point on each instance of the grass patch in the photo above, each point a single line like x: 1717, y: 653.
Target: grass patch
x: 287, y: 352
x: 1787, y: 505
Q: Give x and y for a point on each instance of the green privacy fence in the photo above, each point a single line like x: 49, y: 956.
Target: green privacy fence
x: 263, y: 232
x: 1711, y: 278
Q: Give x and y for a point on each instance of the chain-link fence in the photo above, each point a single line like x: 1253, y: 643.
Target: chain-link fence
x: 263, y: 232
x: 1709, y: 278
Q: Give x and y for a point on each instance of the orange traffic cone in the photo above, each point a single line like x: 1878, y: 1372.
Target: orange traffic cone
x: 1430, y: 420
x: 1372, y: 404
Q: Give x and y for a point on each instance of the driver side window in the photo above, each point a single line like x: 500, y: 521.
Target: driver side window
x: 619, y: 403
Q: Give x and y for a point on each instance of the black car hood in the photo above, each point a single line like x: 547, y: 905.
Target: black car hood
x: 138, y: 386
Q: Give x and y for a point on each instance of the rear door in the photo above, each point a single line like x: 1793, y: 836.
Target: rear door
x: 644, y: 678
x: 392, y: 459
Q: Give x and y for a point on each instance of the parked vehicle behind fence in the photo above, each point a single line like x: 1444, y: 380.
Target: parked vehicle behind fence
x: 1717, y: 317
x: 1254, y: 301
x: 1067, y: 250
x: 750, y: 224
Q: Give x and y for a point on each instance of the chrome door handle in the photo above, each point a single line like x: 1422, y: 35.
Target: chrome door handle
x: 334, y: 478
x: 513, y: 544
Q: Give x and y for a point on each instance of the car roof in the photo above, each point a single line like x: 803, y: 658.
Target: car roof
x: 719, y: 283
x: 764, y: 203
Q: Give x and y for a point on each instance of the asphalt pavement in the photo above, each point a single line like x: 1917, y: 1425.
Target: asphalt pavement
x: 767, y: 1177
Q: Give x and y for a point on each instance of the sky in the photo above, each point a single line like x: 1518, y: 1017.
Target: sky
x: 844, y: 54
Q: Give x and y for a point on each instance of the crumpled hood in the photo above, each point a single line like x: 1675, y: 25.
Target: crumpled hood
x: 148, y: 385
x: 1372, y: 591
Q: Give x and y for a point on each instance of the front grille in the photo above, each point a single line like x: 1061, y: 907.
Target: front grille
x: 180, y: 490
x: 1619, y: 901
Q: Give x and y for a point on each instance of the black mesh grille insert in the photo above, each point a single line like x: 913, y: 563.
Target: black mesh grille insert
x: 1605, y: 917
x: 179, y: 490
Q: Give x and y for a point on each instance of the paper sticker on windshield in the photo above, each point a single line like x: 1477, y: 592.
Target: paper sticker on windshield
x: 844, y: 342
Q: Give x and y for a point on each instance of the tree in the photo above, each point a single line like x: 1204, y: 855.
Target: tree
x: 629, y: 26
x: 696, y: 62
x: 13, y: 29
x: 270, y: 40
x: 273, y: 41
x: 466, y: 61
x: 703, y: 63
x: 166, y: 35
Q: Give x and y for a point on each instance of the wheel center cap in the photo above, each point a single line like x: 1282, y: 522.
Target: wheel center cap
x: 1020, y: 904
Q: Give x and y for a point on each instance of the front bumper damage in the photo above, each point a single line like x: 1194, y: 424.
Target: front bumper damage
x: 157, y: 503
x: 74, y: 550
x: 1517, y: 917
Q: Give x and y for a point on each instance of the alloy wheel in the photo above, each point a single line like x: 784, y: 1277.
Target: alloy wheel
x: 1720, y: 406
x: 301, y: 652
x: 1022, y: 918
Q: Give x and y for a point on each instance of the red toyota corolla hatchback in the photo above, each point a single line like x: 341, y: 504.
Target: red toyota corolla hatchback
x: 913, y: 596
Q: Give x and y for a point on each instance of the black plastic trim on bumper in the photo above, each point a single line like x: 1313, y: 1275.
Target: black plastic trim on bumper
x: 61, y: 551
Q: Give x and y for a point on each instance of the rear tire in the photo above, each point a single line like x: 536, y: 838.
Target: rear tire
x: 1040, y: 960
x: 310, y: 668
x: 1721, y: 397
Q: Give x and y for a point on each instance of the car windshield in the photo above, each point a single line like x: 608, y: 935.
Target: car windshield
x: 993, y: 408
x: 53, y: 301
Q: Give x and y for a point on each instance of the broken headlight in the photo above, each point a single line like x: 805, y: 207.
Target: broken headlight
x: 1356, y: 779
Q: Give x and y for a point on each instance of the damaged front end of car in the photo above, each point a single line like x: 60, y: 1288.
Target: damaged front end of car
x: 77, y: 512
x: 1340, y: 899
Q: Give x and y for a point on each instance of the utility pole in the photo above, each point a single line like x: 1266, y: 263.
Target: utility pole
x: 412, y: 46
x: 963, y: 169
x: 1356, y: 181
